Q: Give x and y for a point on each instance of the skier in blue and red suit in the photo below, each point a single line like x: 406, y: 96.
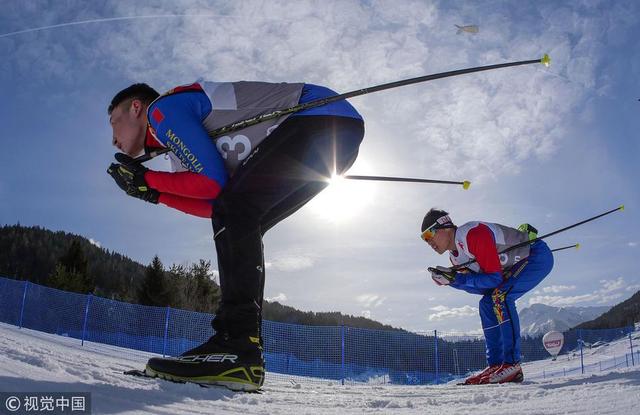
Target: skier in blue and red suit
x: 246, y: 182
x: 500, y: 279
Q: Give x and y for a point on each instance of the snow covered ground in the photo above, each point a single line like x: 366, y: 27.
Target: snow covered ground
x: 32, y: 361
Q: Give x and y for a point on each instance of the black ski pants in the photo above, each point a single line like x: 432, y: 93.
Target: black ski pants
x: 281, y: 175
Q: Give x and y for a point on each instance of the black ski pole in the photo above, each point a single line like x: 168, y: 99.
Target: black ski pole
x: 577, y: 246
x: 457, y: 267
x: 545, y: 60
x: 465, y: 184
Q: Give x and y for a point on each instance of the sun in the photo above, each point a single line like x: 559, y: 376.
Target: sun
x: 343, y: 199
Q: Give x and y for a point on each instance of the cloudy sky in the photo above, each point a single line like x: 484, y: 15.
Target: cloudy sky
x: 547, y: 146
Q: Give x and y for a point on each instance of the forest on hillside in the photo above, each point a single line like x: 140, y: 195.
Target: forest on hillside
x: 73, y: 263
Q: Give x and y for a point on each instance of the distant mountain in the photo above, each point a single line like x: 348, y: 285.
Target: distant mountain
x: 622, y: 315
x: 538, y: 319
x: 283, y: 313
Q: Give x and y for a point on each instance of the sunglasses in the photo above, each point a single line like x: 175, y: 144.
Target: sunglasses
x: 430, y: 232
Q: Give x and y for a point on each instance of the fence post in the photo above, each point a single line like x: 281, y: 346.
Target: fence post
x: 342, y: 353
x: 435, y: 335
x: 581, y: 355
x: 86, y: 317
x: 455, y: 356
x: 633, y: 363
x: 24, y: 299
x: 166, y: 331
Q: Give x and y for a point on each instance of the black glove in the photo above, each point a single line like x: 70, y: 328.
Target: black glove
x: 442, y: 275
x: 129, y: 176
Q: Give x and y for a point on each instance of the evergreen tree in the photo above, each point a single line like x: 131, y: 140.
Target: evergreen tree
x: 71, y: 273
x: 625, y: 314
x: 193, y: 287
x: 207, y: 293
x: 32, y: 253
x: 155, y: 289
x: 35, y: 254
x: 183, y: 292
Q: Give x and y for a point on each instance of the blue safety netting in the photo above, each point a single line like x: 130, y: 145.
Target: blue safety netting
x: 11, y: 295
x: 338, y: 353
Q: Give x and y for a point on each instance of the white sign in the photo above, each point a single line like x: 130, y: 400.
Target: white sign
x: 553, y: 342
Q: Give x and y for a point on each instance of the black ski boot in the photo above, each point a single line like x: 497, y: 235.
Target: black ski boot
x: 236, y: 363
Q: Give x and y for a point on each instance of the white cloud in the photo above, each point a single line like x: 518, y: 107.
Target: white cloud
x: 610, y: 291
x: 94, y: 242
x: 281, y: 298
x: 560, y: 301
x: 558, y: 288
x: 633, y: 288
x: 612, y: 285
x: 290, y: 262
x: 488, y: 123
x: 632, y: 244
x: 443, y: 312
x: 366, y: 313
x: 370, y: 300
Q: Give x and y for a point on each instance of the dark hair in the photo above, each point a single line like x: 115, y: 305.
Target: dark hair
x: 431, y: 217
x: 143, y: 92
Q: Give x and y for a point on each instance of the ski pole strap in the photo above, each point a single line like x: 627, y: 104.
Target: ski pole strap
x: 621, y: 207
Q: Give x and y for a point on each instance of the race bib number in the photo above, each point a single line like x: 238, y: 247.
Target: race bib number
x: 238, y: 146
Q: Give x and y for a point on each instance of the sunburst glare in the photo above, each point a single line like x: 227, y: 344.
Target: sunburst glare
x: 343, y: 199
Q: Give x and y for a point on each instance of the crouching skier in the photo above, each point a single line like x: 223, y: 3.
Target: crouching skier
x: 246, y: 182
x: 500, y: 279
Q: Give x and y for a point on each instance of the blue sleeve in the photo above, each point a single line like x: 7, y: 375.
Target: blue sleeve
x: 470, y: 290
x: 477, y: 283
x: 177, y: 120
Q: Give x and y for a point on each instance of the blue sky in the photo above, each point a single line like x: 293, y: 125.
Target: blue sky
x: 548, y: 146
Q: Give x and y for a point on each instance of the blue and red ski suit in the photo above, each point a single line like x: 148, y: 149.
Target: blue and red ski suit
x: 180, y: 113
x: 252, y: 179
x: 499, y: 287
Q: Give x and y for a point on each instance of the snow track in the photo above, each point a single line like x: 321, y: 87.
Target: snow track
x: 32, y: 361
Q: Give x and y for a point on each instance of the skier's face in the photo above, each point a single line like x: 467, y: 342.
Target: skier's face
x: 128, y: 122
x: 440, y: 240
